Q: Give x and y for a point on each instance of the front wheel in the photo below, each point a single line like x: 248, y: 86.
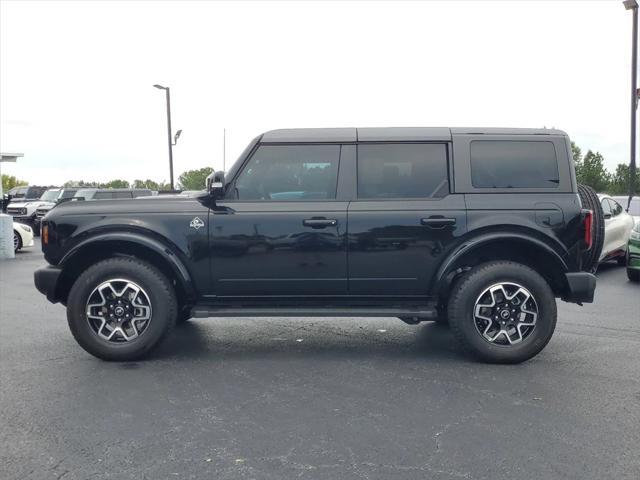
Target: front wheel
x: 633, y: 274
x: 17, y: 241
x: 502, y: 312
x: 121, y: 308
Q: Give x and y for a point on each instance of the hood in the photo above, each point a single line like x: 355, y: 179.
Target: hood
x: 127, y: 207
x: 29, y: 203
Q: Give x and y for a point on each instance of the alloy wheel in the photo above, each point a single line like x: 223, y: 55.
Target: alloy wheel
x: 505, y: 313
x: 118, y: 310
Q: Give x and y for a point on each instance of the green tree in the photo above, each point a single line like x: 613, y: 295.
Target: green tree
x: 592, y: 172
x: 80, y: 184
x: 150, y: 184
x: 9, y: 181
x: 576, y: 153
x: 118, y: 183
x: 619, y: 183
x: 194, y: 179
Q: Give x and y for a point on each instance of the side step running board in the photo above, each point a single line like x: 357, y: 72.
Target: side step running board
x: 205, y: 311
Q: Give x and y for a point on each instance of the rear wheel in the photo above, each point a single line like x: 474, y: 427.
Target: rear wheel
x: 589, y: 200
x: 502, y: 312
x: 633, y: 274
x: 17, y: 241
x: 121, y: 308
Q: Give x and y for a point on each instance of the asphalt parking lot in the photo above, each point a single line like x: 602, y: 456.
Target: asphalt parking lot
x: 318, y: 398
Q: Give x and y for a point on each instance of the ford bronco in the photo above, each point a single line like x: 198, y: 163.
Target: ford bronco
x: 481, y: 229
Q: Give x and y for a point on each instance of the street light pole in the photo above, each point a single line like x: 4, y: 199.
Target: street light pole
x: 168, y: 95
x: 633, y: 6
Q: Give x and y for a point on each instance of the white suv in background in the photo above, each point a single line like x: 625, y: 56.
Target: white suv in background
x: 25, y: 211
x: 617, y: 229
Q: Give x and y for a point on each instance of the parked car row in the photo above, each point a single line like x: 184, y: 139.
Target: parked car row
x: 28, y: 209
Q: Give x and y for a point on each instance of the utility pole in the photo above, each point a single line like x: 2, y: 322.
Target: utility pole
x: 633, y: 6
x: 170, y: 142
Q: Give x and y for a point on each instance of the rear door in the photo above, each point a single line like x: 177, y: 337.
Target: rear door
x: 281, y: 231
x: 404, y: 220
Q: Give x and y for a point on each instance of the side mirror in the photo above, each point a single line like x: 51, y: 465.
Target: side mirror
x: 215, y: 184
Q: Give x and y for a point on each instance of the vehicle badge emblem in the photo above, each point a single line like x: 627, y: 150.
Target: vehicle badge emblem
x: 196, y: 223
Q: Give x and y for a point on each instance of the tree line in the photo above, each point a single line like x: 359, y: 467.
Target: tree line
x: 590, y: 170
x: 189, y: 180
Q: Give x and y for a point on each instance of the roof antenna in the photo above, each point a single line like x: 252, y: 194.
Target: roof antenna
x: 224, y: 149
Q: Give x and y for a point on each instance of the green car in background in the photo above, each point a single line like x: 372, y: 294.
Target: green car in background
x: 633, y: 254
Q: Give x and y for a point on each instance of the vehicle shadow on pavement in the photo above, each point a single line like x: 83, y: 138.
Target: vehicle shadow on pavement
x: 211, y: 340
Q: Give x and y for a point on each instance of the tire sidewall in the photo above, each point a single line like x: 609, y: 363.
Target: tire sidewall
x: 158, y: 290
x: 19, y: 237
x: 476, y: 283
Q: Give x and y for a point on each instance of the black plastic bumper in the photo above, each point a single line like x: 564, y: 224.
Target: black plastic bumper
x: 46, y: 280
x: 582, y: 286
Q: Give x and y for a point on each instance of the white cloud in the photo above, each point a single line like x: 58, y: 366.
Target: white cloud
x: 76, y: 78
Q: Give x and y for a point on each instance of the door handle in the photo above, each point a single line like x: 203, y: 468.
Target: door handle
x: 437, y: 222
x: 320, y: 222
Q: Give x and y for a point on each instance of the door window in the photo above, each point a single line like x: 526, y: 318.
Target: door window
x: 290, y: 172
x: 606, y: 207
x: 402, y: 171
x: 616, y: 208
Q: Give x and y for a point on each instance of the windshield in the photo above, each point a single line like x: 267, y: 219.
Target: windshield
x: 50, y: 195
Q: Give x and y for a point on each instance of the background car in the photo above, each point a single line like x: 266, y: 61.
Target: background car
x: 24, y: 193
x: 634, y: 207
x: 111, y: 193
x: 633, y: 254
x: 22, y: 236
x: 617, y: 229
x: 56, y: 195
x: 24, y: 210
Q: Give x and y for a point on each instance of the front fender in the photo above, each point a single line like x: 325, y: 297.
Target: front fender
x: 153, y: 244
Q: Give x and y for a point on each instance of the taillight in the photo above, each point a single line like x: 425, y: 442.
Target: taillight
x: 588, y: 229
x: 45, y: 234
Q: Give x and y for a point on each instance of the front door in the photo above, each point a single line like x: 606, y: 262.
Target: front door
x: 404, y: 220
x: 280, y: 230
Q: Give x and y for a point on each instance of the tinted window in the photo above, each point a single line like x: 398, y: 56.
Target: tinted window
x: 290, y: 172
x: 122, y: 195
x: 513, y: 164
x: 67, y: 194
x: 103, y: 195
x: 141, y: 193
x: 86, y: 194
x: 402, y: 171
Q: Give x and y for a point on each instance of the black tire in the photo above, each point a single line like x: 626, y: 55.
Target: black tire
x: 471, y: 286
x: 589, y: 199
x: 633, y: 275
x: 162, y: 299
x: 17, y: 241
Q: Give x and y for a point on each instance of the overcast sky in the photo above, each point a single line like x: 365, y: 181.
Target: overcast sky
x: 76, y: 78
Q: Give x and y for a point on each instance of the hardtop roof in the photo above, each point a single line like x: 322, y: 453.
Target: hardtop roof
x: 390, y: 134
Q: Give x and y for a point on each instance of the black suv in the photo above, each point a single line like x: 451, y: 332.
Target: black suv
x: 478, y: 228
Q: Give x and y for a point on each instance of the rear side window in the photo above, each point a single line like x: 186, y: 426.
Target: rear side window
x: 103, y: 196
x: 290, y: 172
x: 67, y: 194
x: 513, y: 164
x: 402, y: 170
